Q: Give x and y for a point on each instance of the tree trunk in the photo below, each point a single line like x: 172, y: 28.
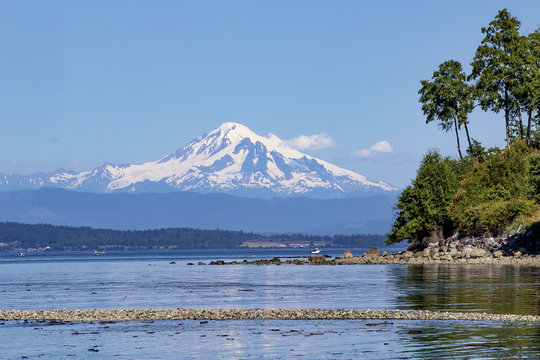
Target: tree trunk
x: 507, y: 117
x: 468, y: 138
x: 457, y: 137
x: 529, y: 123
x: 520, y: 121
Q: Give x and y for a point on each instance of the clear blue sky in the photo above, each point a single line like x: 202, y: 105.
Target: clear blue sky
x: 83, y: 82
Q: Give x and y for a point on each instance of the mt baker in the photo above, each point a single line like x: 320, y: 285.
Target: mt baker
x: 231, y: 159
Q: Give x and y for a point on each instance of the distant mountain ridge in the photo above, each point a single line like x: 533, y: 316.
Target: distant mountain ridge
x: 231, y: 159
x: 370, y: 214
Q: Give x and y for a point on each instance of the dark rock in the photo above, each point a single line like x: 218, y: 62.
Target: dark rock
x: 317, y: 259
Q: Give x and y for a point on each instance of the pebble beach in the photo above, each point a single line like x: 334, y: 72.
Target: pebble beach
x: 64, y: 315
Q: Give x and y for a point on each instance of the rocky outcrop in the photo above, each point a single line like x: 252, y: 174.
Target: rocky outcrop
x: 525, y: 242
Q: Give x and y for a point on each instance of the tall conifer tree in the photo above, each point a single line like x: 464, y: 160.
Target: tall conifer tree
x: 449, y: 99
x: 495, y: 67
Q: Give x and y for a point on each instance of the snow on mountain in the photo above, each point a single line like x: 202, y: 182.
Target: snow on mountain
x: 230, y: 159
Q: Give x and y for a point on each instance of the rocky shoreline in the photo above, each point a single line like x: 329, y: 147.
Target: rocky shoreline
x: 373, y: 256
x: 515, y: 248
x: 68, y: 316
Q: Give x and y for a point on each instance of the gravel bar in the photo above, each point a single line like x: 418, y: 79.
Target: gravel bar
x: 65, y: 315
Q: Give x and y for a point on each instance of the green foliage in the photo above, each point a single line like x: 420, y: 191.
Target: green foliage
x: 494, y: 193
x: 493, y: 217
x: 477, y: 151
x: 422, y: 206
x: 447, y: 98
x: 534, y: 175
x: 506, y: 70
x: 493, y: 64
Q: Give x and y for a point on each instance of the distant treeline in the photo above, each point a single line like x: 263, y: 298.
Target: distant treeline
x: 26, y: 236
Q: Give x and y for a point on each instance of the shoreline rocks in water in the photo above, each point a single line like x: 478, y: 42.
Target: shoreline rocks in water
x: 513, y: 249
x: 431, y: 255
x: 65, y: 316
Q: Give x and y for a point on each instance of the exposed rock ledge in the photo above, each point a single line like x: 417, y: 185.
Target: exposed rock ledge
x: 61, y: 316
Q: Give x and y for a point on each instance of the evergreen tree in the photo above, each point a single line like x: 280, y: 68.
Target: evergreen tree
x: 449, y: 99
x: 421, y: 207
x: 495, y: 67
x: 529, y: 84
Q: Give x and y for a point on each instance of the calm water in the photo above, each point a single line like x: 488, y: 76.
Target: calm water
x: 148, y: 280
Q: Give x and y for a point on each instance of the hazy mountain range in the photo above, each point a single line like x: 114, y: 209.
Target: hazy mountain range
x: 371, y: 214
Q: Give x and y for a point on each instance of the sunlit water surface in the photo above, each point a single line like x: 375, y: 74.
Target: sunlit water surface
x: 147, y: 279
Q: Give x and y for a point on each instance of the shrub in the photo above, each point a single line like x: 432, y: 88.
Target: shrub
x: 494, y: 193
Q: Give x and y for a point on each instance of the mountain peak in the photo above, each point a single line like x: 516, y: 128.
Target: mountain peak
x: 232, y: 126
x: 231, y: 159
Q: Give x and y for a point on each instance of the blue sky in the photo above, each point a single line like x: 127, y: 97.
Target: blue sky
x: 129, y: 81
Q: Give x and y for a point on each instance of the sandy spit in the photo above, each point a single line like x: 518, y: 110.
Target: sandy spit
x: 66, y: 315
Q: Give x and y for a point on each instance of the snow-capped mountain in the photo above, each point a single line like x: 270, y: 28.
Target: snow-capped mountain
x: 231, y: 159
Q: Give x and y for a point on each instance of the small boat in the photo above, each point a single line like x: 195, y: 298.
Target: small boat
x: 20, y: 255
x: 315, y: 251
x: 97, y: 253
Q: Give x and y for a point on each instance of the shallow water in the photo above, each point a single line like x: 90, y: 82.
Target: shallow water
x: 275, y: 339
x: 148, y: 280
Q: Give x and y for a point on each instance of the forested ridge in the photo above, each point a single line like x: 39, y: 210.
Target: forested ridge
x: 39, y: 236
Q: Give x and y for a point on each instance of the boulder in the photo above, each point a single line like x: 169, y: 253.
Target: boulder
x: 473, y: 252
x: 347, y: 255
x: 373, y: 252
x: 498, y: 254
x: 317, y: 259
x: 477, y: 252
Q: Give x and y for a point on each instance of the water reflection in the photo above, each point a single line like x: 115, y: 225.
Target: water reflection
x: 468, y: 340
x: 487, y: 288
x: 272, y: 339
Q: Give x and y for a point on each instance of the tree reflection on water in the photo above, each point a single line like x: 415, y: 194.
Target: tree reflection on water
x: 501, y: 289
